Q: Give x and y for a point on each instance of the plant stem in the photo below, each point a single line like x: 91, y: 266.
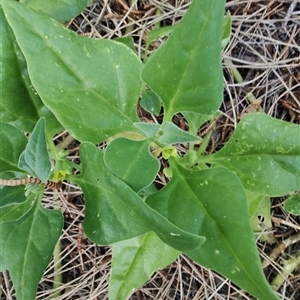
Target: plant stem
x: 57, y: 279
x: 57, y: 262
x: 288, y: 267
x: 158, y: 12
x: 130, y: 27
x: 65, y: 143
x: 239, y: 79
x: 205, y: 142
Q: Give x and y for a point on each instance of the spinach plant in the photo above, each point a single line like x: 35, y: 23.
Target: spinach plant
x: 54, y: 80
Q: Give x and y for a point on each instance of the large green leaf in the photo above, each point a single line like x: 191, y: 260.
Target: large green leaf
x: 13, y: 143
x: 186, y: 70
x: 264, y: 153
x: 134, y: 261
x: 59, y: 10
x: 92, y: 86
x: 132, y: 162
x: 114, y: 212
x: 26, y: 248
x: 35, y: 158
x: 230, y: 247
x: 20, y: 105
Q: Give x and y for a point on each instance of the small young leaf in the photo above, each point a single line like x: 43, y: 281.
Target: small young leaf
x: 260, y: 216
x: 166, y: 134
x: 150, y: 102
x: 91, y: 85
x: 132, y: 162
x: 26, y: 248
x: 114, y: 212
x: 265, y: 154
x: 226, y: 30
x: 292, y: 205
x: 195, y: 120
x: 127, y: 40
x: 156, y: 33
x: 185, y: 72
x: 35, y: 158
x: 230, y: 247
x: 135, y: 260
x: 13, y: 143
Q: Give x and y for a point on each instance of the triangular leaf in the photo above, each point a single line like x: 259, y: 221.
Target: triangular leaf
x: 94, y: 90
x: 182, y: 72
x: 35, y: 158
x: 230, y: 247
x: 26, y: 248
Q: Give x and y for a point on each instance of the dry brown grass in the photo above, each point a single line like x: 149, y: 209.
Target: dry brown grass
x: 264, y: 47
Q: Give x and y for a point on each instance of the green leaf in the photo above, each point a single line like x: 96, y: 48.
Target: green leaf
x: 166, y: 134
x: 125, y: 159
x: 35, y: 158
x: 292, y: 205
x: 230, y: 247
x: 127, y: 40
x: 114, y: 212
x: 156, y: 33
x: 11, y: 195
x: 195, y: 120
x: 186, y: 70
x: 20, y: 105
x: 226, y: 30
x: 91, y: 85
x: 26, y: 248
x: 14, y: 204
x: 150, y: 102
x: 260, y: 216
x: 13, y: 142
x: 134, y: 261
x: 263, y: 155
x: 13, y: 87
x: 61, y: 11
